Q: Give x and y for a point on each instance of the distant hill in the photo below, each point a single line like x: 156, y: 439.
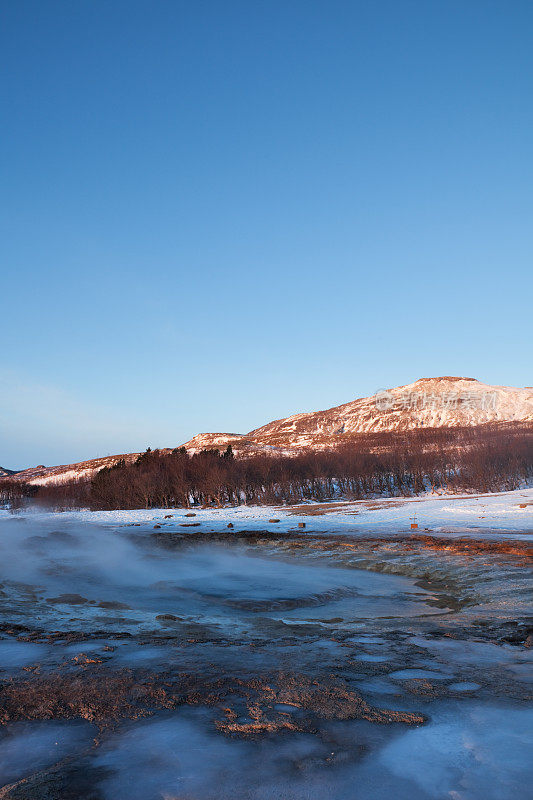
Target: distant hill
x: 444, y: 402
x: 427, y: 403
x: 41, y: 475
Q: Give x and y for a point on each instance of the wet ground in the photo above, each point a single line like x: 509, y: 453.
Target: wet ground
x: 142, y: 662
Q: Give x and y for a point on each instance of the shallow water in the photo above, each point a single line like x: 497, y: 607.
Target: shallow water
x: 83, y: 578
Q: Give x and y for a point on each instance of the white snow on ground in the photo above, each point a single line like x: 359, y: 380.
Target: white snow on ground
x: 485, y: 514
x: 63, y: 477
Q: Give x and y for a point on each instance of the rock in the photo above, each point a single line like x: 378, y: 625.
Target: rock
x: 68, y: 600
x: 113, y: 604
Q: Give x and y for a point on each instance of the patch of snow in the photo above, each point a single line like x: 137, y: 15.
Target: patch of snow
x: 489, y: 515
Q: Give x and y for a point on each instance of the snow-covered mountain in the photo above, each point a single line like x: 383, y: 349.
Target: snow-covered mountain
x: 427, y: 403
x: 42, y: 476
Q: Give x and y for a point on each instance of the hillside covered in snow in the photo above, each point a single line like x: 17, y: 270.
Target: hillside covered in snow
x: 428, y: 403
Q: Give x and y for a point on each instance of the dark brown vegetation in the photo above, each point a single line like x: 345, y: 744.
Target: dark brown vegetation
x: 481, y: 459
x: 13, y: 493
x: 104, y: 697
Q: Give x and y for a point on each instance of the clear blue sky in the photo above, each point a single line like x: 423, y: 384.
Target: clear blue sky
x: 219, y: 213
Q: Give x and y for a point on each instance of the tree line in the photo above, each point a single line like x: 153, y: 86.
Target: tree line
x: 481, y: 459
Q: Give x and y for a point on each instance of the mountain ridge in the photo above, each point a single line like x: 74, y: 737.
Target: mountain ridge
x: 445, y: 401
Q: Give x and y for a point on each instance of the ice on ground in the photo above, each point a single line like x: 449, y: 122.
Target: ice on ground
x: 170, y: 758
x: 468, y: 752
x: 464, y: 686
x: 476, y: 654
x: 372, y: 657
x: 377, y: 686
x: 428, y: 674
x: 32, y: 746
x: 15, y: 654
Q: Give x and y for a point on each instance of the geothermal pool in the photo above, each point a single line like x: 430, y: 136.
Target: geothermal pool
x: 167, y: 663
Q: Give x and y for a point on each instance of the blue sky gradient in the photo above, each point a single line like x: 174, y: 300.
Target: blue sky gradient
x: 219, y: 213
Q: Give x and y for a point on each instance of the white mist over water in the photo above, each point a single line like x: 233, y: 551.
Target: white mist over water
x: 257, y: 610
x: 83, y: 575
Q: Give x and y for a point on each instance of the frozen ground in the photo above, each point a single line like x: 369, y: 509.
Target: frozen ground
x: 143, y: 659
x: 510, y: 512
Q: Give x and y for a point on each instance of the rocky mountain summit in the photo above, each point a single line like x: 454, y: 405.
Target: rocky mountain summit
x: 426, y: 403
